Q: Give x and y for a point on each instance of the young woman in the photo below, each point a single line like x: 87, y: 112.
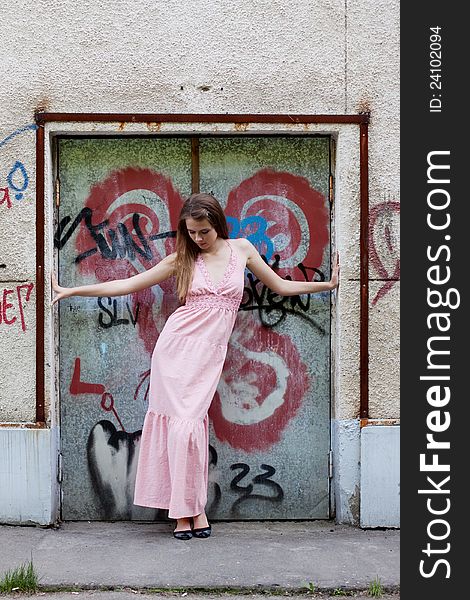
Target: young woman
x: 189, y: 355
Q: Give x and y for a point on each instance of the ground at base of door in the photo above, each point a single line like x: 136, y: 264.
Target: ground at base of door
x: 272, y: 557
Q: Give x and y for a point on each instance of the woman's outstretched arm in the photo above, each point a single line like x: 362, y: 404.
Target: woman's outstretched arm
x: 285, y: 287
x: 119, y: 287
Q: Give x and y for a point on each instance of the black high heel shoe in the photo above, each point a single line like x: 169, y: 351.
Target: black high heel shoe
x: 202, y: 532
x: 184, y: 534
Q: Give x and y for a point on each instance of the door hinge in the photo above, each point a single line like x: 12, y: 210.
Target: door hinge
x: 330, y: 464
x: 57, y: 191
x: 331, y: 189
x: 59, y: 468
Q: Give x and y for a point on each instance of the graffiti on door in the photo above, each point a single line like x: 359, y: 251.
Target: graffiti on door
x: 126, y: 225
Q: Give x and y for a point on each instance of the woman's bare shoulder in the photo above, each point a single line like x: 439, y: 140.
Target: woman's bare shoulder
x: 243, y: 246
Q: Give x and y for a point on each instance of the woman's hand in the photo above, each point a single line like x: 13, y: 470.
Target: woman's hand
x: 61, y: 292
x: 334, y: 281
x: 286, y: 287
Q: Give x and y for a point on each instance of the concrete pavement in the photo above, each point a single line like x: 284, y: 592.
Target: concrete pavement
x: 131, y: 595
x: 245, y: 556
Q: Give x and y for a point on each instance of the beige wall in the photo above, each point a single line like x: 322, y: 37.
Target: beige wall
x: 324, y: 57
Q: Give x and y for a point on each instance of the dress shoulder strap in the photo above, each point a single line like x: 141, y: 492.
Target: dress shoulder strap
x: 238, y: 258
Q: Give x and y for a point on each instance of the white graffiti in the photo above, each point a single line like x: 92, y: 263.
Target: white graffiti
x: 238, y: 398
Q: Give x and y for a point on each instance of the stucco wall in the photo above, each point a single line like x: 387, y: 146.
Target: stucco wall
x: 312, y: 57
x: 267, y: 57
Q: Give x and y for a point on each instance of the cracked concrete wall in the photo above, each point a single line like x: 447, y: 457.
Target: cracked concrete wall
x: 324, y: 57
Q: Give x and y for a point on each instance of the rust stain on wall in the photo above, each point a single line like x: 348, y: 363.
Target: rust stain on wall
x: 43, y: 105
x: 153, y: 126
x: 363, y: 106
x: 241, y: 126
x: 379, y: 422
x: 354, y: 504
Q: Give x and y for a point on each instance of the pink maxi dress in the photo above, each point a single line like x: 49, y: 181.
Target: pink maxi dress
x: 186, y: 365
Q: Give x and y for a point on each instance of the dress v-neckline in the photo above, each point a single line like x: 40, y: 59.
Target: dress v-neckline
x: 207, y: 275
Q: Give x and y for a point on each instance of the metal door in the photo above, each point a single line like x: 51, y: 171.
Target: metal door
x: 270, y: 416
x: 118, y: 206
x: 118, y: 203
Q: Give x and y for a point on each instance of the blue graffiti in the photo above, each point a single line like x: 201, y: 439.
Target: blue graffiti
x: 17, y: 178
x: 253, y: 228
x: 18, y: 170
x: 17, y: 132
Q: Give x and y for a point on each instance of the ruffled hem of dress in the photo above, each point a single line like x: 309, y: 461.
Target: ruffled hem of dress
x: 152, y: 503
x: 172, y: 470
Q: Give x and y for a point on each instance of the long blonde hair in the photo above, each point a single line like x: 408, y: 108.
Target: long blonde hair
x: 197, y: 207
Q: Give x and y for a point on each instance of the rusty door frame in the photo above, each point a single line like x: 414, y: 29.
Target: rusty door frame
x: 362, y: 120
